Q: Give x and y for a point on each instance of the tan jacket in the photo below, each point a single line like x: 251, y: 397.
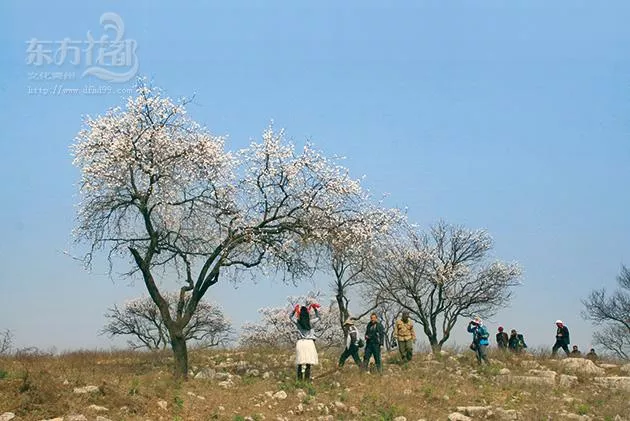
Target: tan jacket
x: 404, y: 331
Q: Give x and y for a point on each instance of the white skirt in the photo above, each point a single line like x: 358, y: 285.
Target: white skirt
x: 305, y: 352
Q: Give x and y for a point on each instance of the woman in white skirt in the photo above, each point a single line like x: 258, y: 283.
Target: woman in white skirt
x: 305, y: 351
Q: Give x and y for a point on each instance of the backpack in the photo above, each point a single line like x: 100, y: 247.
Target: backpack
x: 482, y: 332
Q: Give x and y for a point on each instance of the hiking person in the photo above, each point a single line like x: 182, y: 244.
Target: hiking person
x: 575, y: 352
x: 480, y: 339
x: 305, y: 351
x: 502, y: 339
x: 352, y: 344
x: 405, y: 336
x: 516, y: 342
x: 374, y: 338
x: 592, y: 355
x: 562, y: 338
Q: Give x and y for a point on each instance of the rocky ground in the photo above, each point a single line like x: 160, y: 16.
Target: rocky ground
x: 260, y: 385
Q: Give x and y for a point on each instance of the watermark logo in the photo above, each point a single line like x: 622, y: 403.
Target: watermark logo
x: 110, y: 59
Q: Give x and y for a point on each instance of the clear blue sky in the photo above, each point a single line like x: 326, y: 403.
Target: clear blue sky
x: 510, y: 116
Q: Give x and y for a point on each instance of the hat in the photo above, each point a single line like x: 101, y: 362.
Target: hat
x: 559, y: 322
x: 500, y: 328
x: 476, y: 320
x: 348, y: 322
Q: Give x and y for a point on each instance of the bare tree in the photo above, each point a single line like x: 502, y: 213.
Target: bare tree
x: 141, y: 319
x: 159, y: 189
x: 6, y: 341
x: 612, y: 314
x: 441, y: 276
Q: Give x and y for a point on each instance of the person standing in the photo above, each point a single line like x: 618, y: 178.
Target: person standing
x: 405, y: 336
x: 516, y: 343
x: 352, y: 344
x: 502, y: 339
x: 480, y: 339
x: 575, y: 352
x: 592, y: 355
x: 374, y: 338
x: 305, y: 351
x: 562, y: 338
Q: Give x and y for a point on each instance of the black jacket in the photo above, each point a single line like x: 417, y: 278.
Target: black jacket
x: 502, y: 340
x: 375, y: 333
x: 562, y: 335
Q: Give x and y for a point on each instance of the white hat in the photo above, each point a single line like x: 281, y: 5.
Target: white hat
x: 559, y: 322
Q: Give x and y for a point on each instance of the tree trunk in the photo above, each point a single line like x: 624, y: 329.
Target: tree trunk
x: 180, y: 353
x: 343, y: 311
x: 436, y: 347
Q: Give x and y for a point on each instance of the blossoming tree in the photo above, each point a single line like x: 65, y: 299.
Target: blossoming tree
x: 440, y: 276
x: 140, y: 318
x: 157, y: 187
x: 275, y: 329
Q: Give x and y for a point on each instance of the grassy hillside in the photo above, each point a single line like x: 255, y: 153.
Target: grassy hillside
x: 259, y: 385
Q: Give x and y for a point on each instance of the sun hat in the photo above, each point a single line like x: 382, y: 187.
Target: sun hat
x: 559, y: 322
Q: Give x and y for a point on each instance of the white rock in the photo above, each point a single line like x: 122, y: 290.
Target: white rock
x: 206, y: 373
x: 456, y: 416
x: 226, y: 384
x: 400, y: 418
x: 407, y: 392
x: 625, y: 368
x: 608, y: 366
x: 86, y: 389
x: 98, y: 408
x: 581, y: 366
x: 615, y: 382
x: 280, y: 395
x: 78, y: 417
x: 543, y: 373
x: 567, y: 380
x: 340, y: 406
x: 474, y: 411
x: 7, y: 416
x: 162, y: 404
x: 504, y: 371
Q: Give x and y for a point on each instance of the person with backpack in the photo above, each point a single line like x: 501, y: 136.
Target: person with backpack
x: 562, y: 338
x: 374, y: 339
x: 502, y: 339
x: 405, y: 336
x: 353, y: 343
x: 480, y: 339
x: 305, y: 351
x: 516, y: 343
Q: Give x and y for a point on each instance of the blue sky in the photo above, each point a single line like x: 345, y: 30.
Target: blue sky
x: 509, y: 116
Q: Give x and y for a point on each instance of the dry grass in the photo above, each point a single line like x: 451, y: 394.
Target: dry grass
x: 130, y: 384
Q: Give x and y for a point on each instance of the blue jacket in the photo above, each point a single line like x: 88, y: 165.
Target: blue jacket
x: 476, y: 331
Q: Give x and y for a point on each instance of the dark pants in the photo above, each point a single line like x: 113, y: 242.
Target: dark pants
x: 406, y: 349
x: 560, y: 344
x: 304, y: 372
x: 482, y: 353
x: 372, y: 349
x: 353, y: 352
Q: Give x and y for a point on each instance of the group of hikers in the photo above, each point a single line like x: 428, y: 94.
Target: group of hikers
x: 404, y: 337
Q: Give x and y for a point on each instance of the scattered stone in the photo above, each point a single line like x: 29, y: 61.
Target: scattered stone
x: 97, y: 408
x: 226, y: 384
x: 528, y: 380
x: 101, y: 418
x: 162, y: 404
x: 7, y: 416
x: 206, y: 373
x: 615, y: 382
x: 407, y: 392
x: 625, y: 368
x: 530, y: 364
x: 505, y: 414
x: 609, y: 366
x: 252, y: 372
x: 354, y: 410
x: 222, y: 376
x: 474, y: 411
x: 581, y: 366
x: 86, y: 389
x: 567, y: 381
x: 400, y: 418
x: 543, y: 373
x: 78, y: 417
x: 456, y: 416
x: 575, y: 417
x: 504, y: 371
x: 280, y: 395
x: 340, y: 406
x: 267, y: 374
